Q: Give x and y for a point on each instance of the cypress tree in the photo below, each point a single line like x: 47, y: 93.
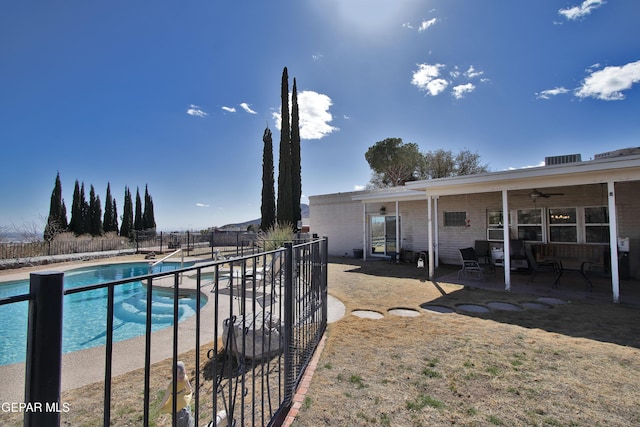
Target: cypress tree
x: 127, y: 216
x: 284, y: 212
x: 268, y: 207
x: 86, y: 212
x: 75, y: 225
x: 114, y: 224
x: 296, y: 167
x: 57, y: 219
x: 148, y: 218
x: 107, y: 223
x: 137, y: 222
x: 95, y: 214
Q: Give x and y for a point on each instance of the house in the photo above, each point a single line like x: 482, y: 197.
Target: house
x: 577, y: 208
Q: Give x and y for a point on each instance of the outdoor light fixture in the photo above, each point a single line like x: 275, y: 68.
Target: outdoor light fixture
x: 383, y: 210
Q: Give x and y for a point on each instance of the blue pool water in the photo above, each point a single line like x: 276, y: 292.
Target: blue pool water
x: 84, y: 313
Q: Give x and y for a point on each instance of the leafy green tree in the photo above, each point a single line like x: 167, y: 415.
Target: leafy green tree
x: 284, y: 212
x: 296, y: 167
x: 268, y: 206
x: 57, y: 219
x: 148, y: 217
x: 137, y: 222
x: 95, y: 214
x: 126, y: 230
x: 393, y: 162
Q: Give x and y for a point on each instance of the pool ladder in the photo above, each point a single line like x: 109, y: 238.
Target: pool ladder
x: 153, y: 264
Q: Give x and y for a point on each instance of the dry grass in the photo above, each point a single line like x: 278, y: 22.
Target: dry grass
x: 573, y: 365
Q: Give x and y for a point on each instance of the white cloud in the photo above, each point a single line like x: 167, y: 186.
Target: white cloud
x: 460, y: 90
x: 426, y: 24
x: 359, y: 187
x: 577, y: 12
x: 246, y: 108
x: 607, y: 84
x: 317, y: 56
x: 472, y: 72
x: 229, y: 109
x: 202, y: 205
x: 427, y: 78
x: 194, y: 110
x: 315, y: 117
x: 546, y: 94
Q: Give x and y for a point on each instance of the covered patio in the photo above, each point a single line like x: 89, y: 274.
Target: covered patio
x: 583, y: 211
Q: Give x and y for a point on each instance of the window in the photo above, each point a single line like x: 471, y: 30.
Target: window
x: 596, y: 224
x: 494, y: 225
x: 455, y: 219
x: 494, y: 218
x: 529, y: 224
x: 563, y: 225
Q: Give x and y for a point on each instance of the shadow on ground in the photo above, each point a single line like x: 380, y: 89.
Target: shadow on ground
x: 573, y: 311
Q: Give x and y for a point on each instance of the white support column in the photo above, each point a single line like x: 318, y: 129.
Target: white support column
x: 430, y: 234
x: 436, y: 243
x: 507, y: 244
x: 364, y: 231
x: 398, y: 242
x: 613, y: 241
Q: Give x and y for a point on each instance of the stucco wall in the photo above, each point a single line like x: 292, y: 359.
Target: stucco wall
x: 339, y: 218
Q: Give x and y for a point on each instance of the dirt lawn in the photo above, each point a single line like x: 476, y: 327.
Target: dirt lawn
x: 576, y: 364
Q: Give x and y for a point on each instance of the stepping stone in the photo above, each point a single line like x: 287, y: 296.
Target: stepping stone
x: 497, y: 305
x: 536, y: 305
x: 367, y: 314
x: 473, y: 308
x: 552, y: 301
x: 404, y: 312
x: 437, y: 308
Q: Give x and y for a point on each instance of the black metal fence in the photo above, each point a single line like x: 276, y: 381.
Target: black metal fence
x: 143, y: 241
x: 268, y: 315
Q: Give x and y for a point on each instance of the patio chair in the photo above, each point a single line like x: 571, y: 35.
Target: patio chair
x: 471, y: 267
x: 483, y: 251
x: 547, y: 265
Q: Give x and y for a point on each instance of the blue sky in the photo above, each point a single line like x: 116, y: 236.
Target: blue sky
x: 176, y: 95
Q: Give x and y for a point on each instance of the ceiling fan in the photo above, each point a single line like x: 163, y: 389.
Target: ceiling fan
x: 535, y: 194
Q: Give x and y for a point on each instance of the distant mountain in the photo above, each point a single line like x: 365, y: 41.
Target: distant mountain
x: 304, y: 208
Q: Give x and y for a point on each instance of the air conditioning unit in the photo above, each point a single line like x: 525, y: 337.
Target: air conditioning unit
x: 561, y: 160
x: 496, y: 234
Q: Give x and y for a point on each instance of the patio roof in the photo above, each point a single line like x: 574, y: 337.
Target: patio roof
x: 615, y: 169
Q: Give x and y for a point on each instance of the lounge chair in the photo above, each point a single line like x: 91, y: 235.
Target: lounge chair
x: 471, y: 267
x: 547, y: 265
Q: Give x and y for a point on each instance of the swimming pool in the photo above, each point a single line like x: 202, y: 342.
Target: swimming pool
x: 84, y: 313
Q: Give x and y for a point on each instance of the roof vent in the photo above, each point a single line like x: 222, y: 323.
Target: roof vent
x: 617, y: 153
x: 560, y: 160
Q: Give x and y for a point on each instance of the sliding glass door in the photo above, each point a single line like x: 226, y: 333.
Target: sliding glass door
x: 383, y: 235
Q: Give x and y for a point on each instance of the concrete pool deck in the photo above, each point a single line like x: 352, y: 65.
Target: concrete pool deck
x: 85, y: 367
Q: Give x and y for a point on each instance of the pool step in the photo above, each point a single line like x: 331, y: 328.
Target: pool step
x: 134, y: 309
